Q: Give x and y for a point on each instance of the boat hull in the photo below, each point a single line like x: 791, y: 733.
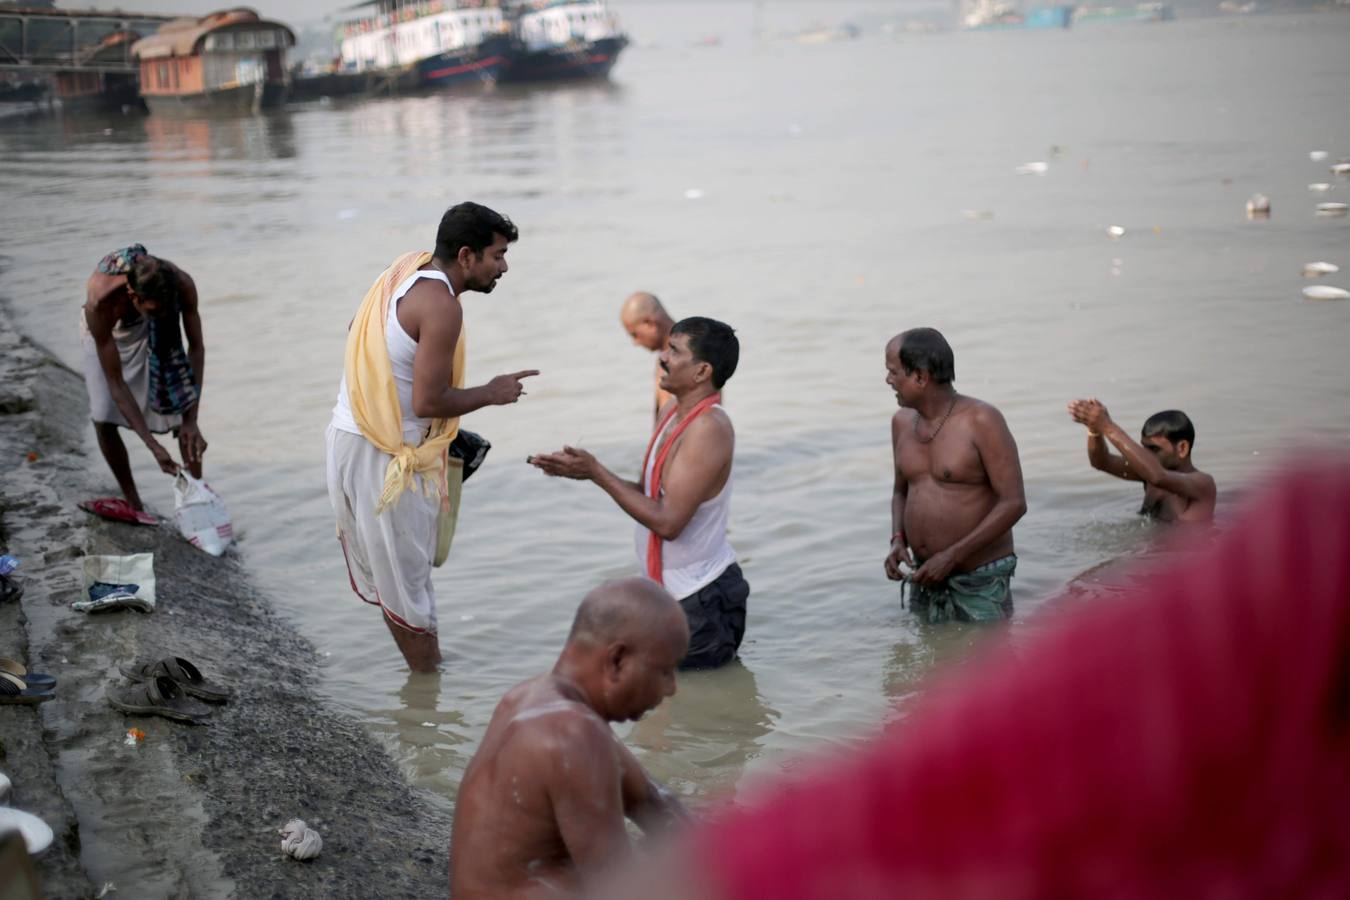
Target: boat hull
x: 591, y: 59
x: 241, y: 99
x: 483, y: 63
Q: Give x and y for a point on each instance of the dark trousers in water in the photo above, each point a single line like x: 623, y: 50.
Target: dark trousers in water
x: 716, y: 617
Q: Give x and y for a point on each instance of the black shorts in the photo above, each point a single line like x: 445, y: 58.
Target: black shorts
x: 716, y: 617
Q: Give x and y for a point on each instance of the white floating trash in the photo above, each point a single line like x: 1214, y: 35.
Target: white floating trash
x: 1318, y: 269
x: 1325, y: 292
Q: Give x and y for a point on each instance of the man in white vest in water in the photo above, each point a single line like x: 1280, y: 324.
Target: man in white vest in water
x: 682, y: 500
x: 393, y: 489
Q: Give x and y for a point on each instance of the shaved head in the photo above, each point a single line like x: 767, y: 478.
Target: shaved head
x: 646, y: 320
x: 632, y: 610
x: 642, y: 306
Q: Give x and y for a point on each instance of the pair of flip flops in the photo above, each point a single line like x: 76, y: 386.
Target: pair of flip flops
x: 166, y: 688
x: 20, y: 686
x: 115, y: 509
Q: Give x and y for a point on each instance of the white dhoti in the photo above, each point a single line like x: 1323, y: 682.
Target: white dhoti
x: 389, y: 556
x: 133, y: 346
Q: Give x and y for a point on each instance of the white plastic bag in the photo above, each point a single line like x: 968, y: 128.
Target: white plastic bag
x: 201, y: 515
x: 137, y: 569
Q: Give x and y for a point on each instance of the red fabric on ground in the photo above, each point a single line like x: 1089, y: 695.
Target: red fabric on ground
x: 1191, y: 739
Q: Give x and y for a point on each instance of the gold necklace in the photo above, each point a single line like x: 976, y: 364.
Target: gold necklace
x: 928, y: 440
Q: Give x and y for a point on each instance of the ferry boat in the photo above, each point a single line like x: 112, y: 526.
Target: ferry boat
x: 557, y: 39
x: 999, y: 15
x: 229, y: 60
x: 410, y: 43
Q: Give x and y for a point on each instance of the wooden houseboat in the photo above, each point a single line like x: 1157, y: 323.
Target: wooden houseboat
x: 228, y: 60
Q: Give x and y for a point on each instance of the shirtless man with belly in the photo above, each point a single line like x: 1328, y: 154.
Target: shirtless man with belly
x: 958, y: 488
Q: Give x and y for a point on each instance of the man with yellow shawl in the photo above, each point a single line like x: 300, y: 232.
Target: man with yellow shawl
x: 392, y: 484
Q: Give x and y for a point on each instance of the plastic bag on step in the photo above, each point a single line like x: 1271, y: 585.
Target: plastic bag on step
x: 202, y: 516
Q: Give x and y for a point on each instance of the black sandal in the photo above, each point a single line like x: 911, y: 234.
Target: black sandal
x: 182, y: 673
x: 159, y: 697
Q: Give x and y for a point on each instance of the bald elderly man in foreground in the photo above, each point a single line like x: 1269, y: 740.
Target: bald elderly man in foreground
x: 648, y: 324
x: 541, y: 808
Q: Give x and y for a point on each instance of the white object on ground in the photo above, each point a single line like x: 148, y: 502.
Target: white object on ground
x: 1318, y: 269
x: 1317, y: 155
x: 201, y: 515
x: 37, y: 834
x: 1115, y: 232
x: 1325, y: 292
x: 1332, y: 209
x: 137, y: 569
x: 1320, y: 187
x: 299, y: 840
x: 1033, y: 168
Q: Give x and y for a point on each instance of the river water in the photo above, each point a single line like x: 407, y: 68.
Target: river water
x: 819, y: 197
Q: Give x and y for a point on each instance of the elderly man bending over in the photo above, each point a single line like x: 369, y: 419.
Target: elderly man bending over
x: 542, y: 804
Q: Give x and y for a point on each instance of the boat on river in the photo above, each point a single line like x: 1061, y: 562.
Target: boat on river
x: 228, y: 60
x: 999, y: 15
x: 1092, y: 14
x: 562, y: 39
x: 418, y: 43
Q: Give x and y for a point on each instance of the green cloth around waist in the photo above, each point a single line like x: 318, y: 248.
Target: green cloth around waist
x: 983, y: 594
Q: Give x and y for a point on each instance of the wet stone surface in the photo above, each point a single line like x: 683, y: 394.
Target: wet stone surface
x: 187, y: 811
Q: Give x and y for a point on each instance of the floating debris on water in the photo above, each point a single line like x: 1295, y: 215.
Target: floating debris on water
x: 1258, y: 206
x: 1115, y: 232
x: 1325, y: 292
x: 693, y: 194
x: 1320, y: 187
x: 1317, y: 155
x: 1332, y: 209
x: 1341, y: 168
x: 1318, y: 269
x: 1033, y: 168
x: 977, y: 215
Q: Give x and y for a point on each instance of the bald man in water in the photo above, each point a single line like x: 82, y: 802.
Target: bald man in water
x: 648, y: 324
x: 541, y: 808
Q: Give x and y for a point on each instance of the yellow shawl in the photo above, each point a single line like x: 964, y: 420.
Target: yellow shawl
x: 374, y: 398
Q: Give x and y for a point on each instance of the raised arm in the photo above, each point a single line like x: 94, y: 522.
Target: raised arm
x: 998, y: 453
x: 1195, y: 486
x: 1084, y: 412
x: 438, y: 331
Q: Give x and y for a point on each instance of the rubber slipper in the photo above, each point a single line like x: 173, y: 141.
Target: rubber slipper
x: 182, y: 673
x: 116, y: 509
x: 159, y: 697
x: 32, y: 679
x: 14, y: 691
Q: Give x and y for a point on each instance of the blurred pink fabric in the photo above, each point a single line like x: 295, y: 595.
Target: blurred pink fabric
x: 1191, y: 739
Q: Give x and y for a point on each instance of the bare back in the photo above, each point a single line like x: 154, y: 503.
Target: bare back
x: 541, y: 803
x: 952, y: 483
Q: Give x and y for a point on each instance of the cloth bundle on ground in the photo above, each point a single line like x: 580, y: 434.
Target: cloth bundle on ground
x: 300, y: 841
x: 118, y: 582
x: 11, y: 585
x: 1187, y: 739
x: 202, y: 517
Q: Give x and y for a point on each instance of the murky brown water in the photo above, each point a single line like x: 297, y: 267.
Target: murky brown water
x: 834, y: 179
